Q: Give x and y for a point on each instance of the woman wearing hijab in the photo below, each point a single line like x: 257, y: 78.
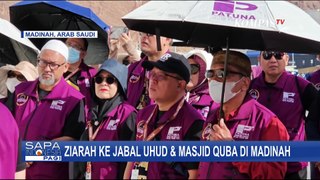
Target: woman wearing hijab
x: 11, y: 76
x: 112, y: 119
x: 197, y: 88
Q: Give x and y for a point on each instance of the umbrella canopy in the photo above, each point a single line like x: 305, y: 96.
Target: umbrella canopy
x: 260, y: 25
x: 13, y: 48
x: 62, y: 15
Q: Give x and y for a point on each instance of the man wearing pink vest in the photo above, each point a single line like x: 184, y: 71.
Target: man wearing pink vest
x: 171, y: 118
x: 49, y: 109
x: 289, y: 97
x: 244, y: 120
x: 137, y: 82
x: 79, y: 74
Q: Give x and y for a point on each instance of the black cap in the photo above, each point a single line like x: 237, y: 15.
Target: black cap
x: 171, y: 63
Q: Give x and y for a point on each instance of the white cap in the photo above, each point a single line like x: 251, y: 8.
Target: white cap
x: 58, y: 46
x: 204, y: 55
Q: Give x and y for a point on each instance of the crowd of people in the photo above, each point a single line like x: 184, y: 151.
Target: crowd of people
x: 64, y: 99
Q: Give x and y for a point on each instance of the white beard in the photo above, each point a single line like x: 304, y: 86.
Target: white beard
x: 47, y: 82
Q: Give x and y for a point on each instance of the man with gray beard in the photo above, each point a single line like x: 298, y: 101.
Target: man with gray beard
x: 49, y: 109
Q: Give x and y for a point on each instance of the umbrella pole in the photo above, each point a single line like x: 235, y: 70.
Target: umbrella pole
x: 158, y: 39
x: 221, y: 112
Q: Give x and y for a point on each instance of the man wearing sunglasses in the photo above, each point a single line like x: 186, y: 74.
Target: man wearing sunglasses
x: 286, y: 95
x: 171, y: 118
x: 244, y: 120
x: 137, y: 83
x: 49, y: 109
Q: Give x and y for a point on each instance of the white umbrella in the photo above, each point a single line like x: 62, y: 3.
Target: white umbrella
x: 262, y: 25
x: 23, y: 48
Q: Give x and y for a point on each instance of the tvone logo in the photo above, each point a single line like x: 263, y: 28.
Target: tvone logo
x: 229, y: 6
x: 42, y: 148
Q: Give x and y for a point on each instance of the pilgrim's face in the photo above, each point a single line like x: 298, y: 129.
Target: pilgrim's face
x: 163, y: 86
x: 106, y: 86
x: 194, y: 78
x: 51, y: 66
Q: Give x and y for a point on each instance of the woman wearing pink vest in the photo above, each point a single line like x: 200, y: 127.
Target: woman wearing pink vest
x: 110, y: 119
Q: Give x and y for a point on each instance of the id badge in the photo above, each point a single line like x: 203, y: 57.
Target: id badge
x: 134, y: 174
x: 88, y: 170
x: 143, y: 170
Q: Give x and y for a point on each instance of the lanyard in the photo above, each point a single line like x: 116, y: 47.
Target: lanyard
x: 156, y: 131
x: 71, y: 74
x: 92, y: 136
x: 135, y: 174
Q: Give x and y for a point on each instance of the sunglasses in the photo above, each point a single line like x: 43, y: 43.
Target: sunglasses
x: 220, y: 73
x: 109, y: 79
x: 146, y: 34
x: 268, y: 54
x: 20, y: 77
x: 194, y: 68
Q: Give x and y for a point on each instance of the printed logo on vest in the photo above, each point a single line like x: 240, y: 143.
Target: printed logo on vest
x: 87, y: 82
x: 21, y: 99
x: 172, y: 133
x: 254, y: 93
x: 243, y: 131
x: 134, y: 78
x: 57, y: 104
x: 317, y: 86
x: 165, y: 57
x: 288, y: 97
x: 205, y: 111
x: 206, y: 132
x: 140, y: 129
x: 113, y: 124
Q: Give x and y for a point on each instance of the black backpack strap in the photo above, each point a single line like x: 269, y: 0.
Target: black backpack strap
x: 300, y: 93
x: 298, y: 87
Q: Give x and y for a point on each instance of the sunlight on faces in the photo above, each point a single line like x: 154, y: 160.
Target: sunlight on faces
x: 105, y: 90
x: 231, y: 77
x: 48, y: 76
x: 164, y: 88
x: 78, y: 44
x: 274, y: 67
x: 148, y: 43
x: 194, y: 78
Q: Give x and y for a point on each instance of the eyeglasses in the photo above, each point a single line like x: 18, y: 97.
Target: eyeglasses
x: 20, y: 77
x: 109, y: 79
x: 160, y: 76
x: 194, y: 68
x: 268, y: 54
x: 76, y: 46
x: 146, y: 34
x: 52, y: 66
x: 220, y: 73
